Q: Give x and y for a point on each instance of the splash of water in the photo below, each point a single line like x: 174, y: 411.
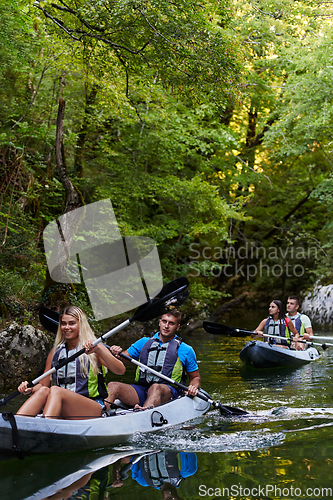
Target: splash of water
x: 212, y: 441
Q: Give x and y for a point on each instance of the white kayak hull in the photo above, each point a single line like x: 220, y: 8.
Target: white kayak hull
x: 40, y: 435
x: 264, y: 355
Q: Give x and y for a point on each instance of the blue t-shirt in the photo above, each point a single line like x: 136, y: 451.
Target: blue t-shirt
x: 186, y: 353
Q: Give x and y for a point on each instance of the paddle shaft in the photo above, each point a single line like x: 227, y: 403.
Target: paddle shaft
x: 173, y: 382
x: 318, y: 337
x: 220, y: 329
x: 299, y: 341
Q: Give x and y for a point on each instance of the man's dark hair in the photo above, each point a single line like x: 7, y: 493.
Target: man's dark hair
x: 175, y: 313
x: 294, y: 297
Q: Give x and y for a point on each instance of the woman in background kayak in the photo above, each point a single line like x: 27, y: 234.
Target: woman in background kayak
x: 78, y: 388
x: 277, y: 324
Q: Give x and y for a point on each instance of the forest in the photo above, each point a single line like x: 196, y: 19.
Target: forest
x: 207, y: 124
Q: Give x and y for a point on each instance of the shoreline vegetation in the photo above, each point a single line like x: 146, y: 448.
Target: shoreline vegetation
x: 209, y: 130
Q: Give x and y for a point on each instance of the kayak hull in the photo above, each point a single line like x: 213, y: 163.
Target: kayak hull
x: 40, y: 435
x: 264, y: 355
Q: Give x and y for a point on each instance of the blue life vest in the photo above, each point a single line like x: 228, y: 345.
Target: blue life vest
x: 280, y: 329
x: 70, y: 376
x: 161, y: 357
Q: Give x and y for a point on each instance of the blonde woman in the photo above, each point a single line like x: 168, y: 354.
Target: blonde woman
x: 78, y: 388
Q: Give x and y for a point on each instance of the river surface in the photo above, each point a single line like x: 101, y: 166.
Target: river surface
x: 283, y: 450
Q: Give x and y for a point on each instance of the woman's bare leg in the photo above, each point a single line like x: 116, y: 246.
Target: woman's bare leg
x: 35, y: 403
x: 67, y: 404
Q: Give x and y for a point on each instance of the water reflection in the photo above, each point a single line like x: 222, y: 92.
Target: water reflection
x: 90, y: 476
x: 164, y: 470
x: 284, y: 446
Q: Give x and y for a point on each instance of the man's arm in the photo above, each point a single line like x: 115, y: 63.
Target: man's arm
x: 194, y: 384
x: 307, y: 326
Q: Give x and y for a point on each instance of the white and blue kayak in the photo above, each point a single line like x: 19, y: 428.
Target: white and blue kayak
x: 40, y: 435
x: 265, y: 355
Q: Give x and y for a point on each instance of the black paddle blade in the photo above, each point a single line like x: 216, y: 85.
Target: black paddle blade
x: 219, y: 329
x: 231, y: 411
x: 172, y: 296
x: 49, y: 319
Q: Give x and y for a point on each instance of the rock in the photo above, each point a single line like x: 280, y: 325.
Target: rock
x: 318, y: 304
x: 23, y: 352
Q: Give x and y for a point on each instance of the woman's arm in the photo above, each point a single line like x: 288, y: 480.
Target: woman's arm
x: 45, y: 382
x: 260, y: 328
x: 106, y: 358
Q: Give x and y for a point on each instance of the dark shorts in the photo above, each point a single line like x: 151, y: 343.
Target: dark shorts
x: 142, y: 391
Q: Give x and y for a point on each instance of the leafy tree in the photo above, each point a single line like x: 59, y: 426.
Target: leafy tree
x: 163, y: 142
x: 183, y: 44
x: 282, y: 155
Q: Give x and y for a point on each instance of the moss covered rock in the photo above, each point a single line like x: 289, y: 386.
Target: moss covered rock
x: 23, y: 352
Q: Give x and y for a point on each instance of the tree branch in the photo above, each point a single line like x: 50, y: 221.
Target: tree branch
x: 82, y: 33
x: 288, y: 215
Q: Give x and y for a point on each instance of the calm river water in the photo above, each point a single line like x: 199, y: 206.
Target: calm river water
x: 284, y: 451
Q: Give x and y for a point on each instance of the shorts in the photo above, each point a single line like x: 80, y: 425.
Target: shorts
x: 142, y: 392
x: 100, y: 402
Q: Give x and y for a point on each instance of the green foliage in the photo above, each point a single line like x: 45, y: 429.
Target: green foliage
x: 182, y: 45
x: 203, y: 123
x: 205, y: 299
x: 153, y: 141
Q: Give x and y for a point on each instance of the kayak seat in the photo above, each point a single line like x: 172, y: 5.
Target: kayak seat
x: 119, y: 404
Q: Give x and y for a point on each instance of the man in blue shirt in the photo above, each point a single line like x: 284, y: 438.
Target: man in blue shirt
x: 167, y: 354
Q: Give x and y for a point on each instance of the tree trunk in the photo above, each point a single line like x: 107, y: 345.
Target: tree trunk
x: 54, y: 291
x: 81, y: 139
x: 73, y: 198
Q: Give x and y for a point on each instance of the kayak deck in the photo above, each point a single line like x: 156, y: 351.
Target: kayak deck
x: 264, y: 355
x: 40, y: 435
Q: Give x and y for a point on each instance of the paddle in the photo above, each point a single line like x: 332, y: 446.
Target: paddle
x: 324, y: 346
x: 171, y: 296
x: 229, y: 411
x: 230, y: 331
x: 219, y: 329
x: 318, y: 337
